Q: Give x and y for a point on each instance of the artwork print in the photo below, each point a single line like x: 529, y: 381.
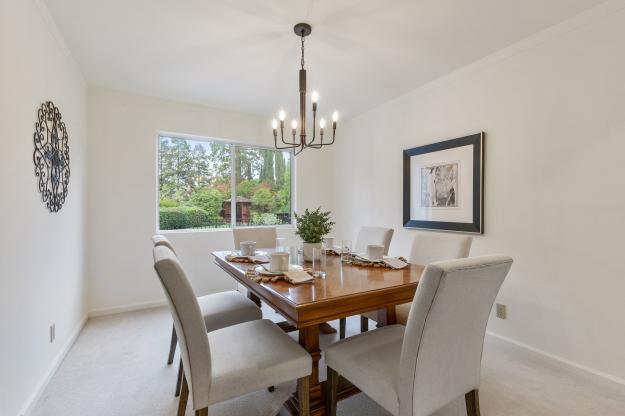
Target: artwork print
x: 439, y: 185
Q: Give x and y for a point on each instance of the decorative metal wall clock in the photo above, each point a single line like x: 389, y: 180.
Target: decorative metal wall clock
x: 51, y: 156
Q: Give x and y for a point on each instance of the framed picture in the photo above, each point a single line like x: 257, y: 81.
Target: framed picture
x: 443, y: 185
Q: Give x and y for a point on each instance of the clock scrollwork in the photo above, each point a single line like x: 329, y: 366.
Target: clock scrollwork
x: 51, y: 156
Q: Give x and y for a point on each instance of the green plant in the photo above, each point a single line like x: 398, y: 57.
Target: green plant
x: 266, y: 218
x: 179, y: 218
x: 313, y: 225
x: 263, y: 200
x: 210, y: 200
x: 168, y: 203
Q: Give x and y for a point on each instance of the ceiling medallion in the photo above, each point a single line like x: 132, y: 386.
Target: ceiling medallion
x: 297, y: 145
x: 51, y: 156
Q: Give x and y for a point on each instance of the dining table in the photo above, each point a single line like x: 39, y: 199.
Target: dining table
x: 347, y: 289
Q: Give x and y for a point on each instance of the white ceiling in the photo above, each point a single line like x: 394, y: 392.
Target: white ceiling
x: 243, y: 55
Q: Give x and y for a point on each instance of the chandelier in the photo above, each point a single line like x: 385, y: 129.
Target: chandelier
x: 297, y: 145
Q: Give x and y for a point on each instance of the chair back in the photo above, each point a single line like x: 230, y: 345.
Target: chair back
x: 442, y: 347
x: 429, y: 247
x: 189, y: 324
x: 265, y: 237
x: 161, y: 240
x: 373, y: 235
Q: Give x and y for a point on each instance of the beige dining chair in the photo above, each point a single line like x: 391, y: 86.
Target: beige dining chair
x: 219, y: 310
x: 427, y: 247
x: 232, y: 361
x: 415, y: 370
x: 367, y: 236
x: 265, y: 237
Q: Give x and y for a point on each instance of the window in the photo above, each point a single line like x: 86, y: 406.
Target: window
x: 207, y: 184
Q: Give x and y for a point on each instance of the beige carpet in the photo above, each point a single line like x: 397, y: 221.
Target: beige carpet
x: 117, y: 367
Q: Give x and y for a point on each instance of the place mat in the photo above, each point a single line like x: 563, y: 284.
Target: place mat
x: 253, y: 275
x: 386, y: 263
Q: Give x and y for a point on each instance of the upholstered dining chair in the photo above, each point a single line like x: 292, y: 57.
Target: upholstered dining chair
x: 416, y: 369
x: 265, y: 237
x: 219, y: 310
x: 427, y: 247
x: 366, y: 236
x: 231, y: 361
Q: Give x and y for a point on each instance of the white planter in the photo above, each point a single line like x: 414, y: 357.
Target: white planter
x: 308, y: 250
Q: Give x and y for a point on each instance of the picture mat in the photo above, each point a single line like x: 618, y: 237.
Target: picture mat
x: 462, y: 214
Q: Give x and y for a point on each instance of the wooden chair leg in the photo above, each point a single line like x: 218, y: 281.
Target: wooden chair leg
x: 342, y: 325
x: 303, y: 396
x: 332, y: 385
x: 364, y: 324
x: 179, y: 380
x: 184, y: 396
x: 271, y: 389
x: 172, y: 345
x: 202, y: 412
x: 472, y: 400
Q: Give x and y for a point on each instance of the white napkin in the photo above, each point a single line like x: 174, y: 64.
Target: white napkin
x: 395, y: 263
x: 297, y: 277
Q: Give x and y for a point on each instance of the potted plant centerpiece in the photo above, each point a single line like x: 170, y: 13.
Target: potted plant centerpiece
x: 312, y: 226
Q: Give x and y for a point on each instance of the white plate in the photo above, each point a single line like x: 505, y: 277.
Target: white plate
x: 292, y: 268
x: 258, y: 253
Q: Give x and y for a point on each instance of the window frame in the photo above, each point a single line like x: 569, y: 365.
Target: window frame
x: 233, y: 179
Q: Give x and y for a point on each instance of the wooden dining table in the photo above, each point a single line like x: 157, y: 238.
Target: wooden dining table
x: 345, y: 291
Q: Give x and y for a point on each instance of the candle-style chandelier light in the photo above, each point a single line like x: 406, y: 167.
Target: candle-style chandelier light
x: 298, y: 145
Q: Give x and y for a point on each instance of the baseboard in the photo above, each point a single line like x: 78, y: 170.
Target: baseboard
x: 562, y: 360
x: 43, y: 383
x: 126, y: 308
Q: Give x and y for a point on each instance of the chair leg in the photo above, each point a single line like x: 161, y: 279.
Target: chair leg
x: 342, y: 324
x: 472, y: 400
x: 172, y: 345
x: 202, y: 412
x: 303, y: 396
x: 364, y: 324
x: 179, y: 380
x: 271, y: 389
x: 184, y: 396
x: 332, y: 385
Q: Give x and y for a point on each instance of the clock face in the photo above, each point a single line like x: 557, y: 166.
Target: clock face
x: 51, y: 156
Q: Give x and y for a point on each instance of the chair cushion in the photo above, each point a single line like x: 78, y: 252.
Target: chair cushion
x: 227, y: 308
x: 251, y: 356
x: 371, y: 362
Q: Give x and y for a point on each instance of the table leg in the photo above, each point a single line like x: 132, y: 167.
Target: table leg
x: 251, y: 296
x: 387, y: 316
x: 309, y: 340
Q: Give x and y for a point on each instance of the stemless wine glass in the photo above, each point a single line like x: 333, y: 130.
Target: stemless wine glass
x: 280, y: 244
x: 346, y: 250
x: 294, y: 255
x: 319, y: 262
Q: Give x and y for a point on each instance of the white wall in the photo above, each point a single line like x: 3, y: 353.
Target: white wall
x: 122, y: 198
x: 42, y: 265
x: 553, y: 109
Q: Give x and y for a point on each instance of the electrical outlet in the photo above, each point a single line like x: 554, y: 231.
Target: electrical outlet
x: 52, y: 333
x: 502, y: 313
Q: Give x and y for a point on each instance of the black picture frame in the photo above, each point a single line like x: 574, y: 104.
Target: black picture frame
x: 477, y: 224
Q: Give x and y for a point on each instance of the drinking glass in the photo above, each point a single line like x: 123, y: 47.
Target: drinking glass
x: 319, y: 262
x: 346, y: 250
x: 294, y: 255
x: 280, y: 244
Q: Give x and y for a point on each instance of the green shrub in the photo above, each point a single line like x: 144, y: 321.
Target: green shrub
x: 209, y: 200
x: 246, y: 188
x: 179, y: 218
x: 266, y: 218
x: 167, y: 203
x: 263, y: 200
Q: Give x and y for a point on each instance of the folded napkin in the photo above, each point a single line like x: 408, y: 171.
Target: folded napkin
x: 394, y: 263
x: 297, y: 277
